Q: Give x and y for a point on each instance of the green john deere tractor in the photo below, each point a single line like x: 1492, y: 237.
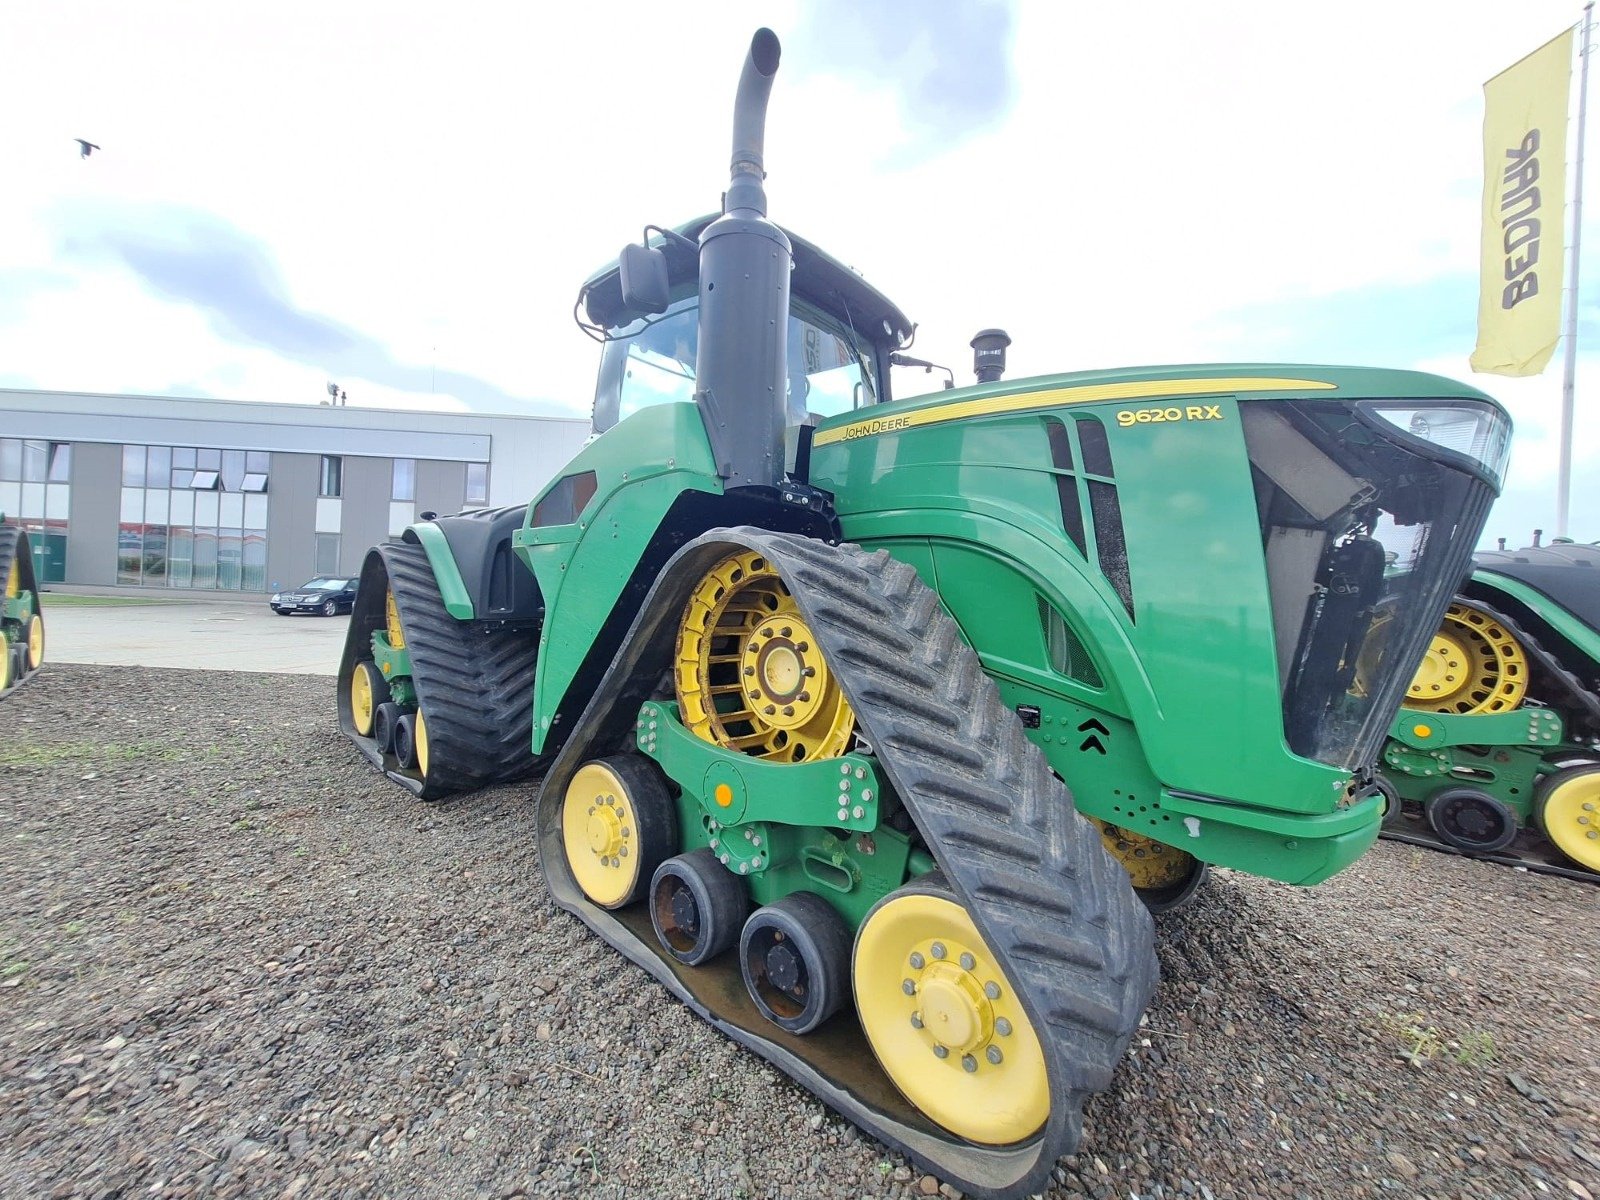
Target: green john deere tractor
x: 874, y: 729
x: 1496, y: 752
x: 21, y: 622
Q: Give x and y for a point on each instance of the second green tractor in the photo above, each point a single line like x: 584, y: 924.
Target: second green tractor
x: 875, y: 728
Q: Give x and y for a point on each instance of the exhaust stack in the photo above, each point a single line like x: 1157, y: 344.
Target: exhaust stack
x: 745, y: 262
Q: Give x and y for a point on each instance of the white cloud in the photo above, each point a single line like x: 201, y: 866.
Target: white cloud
x: 443, y: 180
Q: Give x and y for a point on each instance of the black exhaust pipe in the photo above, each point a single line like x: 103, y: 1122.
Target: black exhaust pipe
x: 745, y: 261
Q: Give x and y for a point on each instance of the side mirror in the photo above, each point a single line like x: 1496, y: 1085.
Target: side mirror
x: 644, y: 279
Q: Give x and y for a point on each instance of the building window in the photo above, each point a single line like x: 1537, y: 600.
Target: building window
x: 332, y: 476
x: 478, y: 483
x: 405, y: 479
x: 133, y: 466
x: 327, y: 554
x: 60, y: 462
x: 254, y: 481
x: 204, y: 481
x: 183, y: 458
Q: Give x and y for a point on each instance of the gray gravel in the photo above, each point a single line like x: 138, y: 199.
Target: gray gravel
x: 236, y: 963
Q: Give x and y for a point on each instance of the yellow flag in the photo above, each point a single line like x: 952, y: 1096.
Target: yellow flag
x: 1524, y: 211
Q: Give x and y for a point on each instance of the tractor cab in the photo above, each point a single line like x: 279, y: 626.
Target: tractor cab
x: 841, y: 333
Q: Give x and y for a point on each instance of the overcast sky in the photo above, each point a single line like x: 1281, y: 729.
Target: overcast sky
x: 405, y: 197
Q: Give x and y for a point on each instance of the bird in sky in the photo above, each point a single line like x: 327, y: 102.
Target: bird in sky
x: 85, y: 148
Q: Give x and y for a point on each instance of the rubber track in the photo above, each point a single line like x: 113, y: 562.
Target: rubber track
x: 10, y: 538
x: 474, y: 681
x: 1531, y: 849
x: 1053, y: 905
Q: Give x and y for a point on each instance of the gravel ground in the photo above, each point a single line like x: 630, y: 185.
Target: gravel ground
x: 235, y: 963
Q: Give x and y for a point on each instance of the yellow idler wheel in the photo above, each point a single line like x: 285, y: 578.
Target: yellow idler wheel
x: 945, y: 1023
x: 420, y: 732
x: 1569, y: 814
x: 618, y: 825
x: 1474, y: 665
x: 14, y: 580
x: 368, y: 689
x: 391, y: 622
x: 748, y: 670
x: 35, y: 642
x: 6, y: 658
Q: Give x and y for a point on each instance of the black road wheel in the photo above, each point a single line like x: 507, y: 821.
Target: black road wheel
x: 698, y: 906
x: 329, y: 607
x: 1393, y: 807
x: 1471, y: 820
x: 384, y: 721
x: 405, y: 740
x: 795, y: 956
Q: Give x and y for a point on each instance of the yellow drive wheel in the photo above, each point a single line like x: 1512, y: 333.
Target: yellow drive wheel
x: 420, y: 732
x: 1163, y: 876
x: 618, y: 825
x: 35, y: 642
x: 368, y: 690
x: 1474, y: 665
x: 391, y: 622
x: 1150, y: 864
x: 748, y: 670
x: 945, y: 1023
x: 1569, y: 813
x: 14, y: 580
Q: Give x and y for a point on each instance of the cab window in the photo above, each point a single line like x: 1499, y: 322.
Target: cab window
x: 653, y: 362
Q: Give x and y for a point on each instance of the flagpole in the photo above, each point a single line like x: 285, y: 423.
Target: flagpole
x: 1564, y: 470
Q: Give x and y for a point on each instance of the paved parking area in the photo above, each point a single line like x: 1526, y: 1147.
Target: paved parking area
x: 199, y: 634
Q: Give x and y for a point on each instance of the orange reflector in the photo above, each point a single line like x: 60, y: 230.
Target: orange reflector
x: 723, y: 794
x: 1423, y: 730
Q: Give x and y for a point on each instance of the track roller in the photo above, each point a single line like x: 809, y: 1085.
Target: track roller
x: 944, y: 1021
x: 698, y: 906
x: 1471, y: 820
x: 369, y: 691
x: 618, y: 825
x: 1568, y: 813
x: 795, y: 956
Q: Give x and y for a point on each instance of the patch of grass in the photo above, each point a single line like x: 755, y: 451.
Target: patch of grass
x: 1475, y: 1048
x: 1421, y: 1041
x: 87, y: 753
x: 1418, y: 1040
x: 15, y: 968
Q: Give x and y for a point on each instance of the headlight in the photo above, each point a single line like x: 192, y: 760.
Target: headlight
x: 1473, y: 429
x: 276, y: 598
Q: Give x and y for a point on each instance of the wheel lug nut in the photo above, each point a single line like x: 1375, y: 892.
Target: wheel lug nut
x: 937, y: 949
x: 941, y: 1052
x: 909, y: 987
x: 749, y: 670
x: 993, y: 1055
x: 968, y: 1063
x: 917, y: 962
x: 916, y: 1020
x: 968, y: 962
x: 1002, y: 1027
x: 991, y: 990
x: 809, y: 672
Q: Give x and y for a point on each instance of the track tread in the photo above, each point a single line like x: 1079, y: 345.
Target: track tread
x: 474, y: 682
x: 1053, y: 905
x: 11, y: 538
